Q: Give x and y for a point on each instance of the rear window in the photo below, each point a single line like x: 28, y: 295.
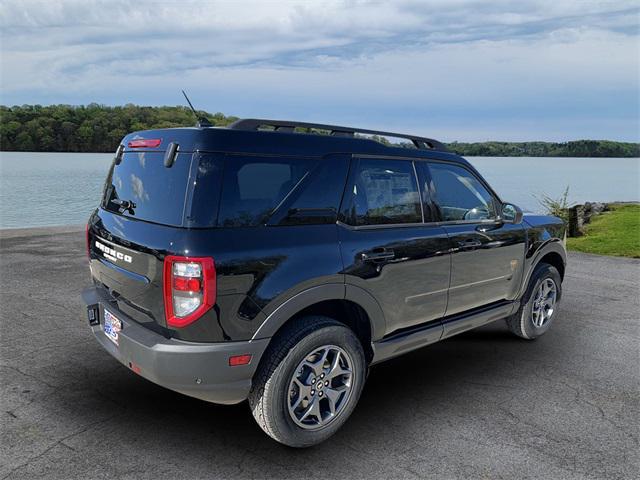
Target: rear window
x: 142, y: 187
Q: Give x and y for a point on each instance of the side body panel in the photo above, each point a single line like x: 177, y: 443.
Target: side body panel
x: 411, y: 287
x: 488, y: 273
x: 259, y: 268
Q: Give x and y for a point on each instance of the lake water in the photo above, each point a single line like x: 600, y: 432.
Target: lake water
x: 41, y: 189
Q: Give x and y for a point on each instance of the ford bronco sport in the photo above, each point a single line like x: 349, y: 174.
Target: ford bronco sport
x: 277, y: 261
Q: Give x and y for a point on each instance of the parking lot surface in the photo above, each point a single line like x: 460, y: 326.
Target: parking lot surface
x: 484, y: 404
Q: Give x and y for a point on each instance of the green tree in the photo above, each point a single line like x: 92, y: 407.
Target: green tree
x: 99, y: 128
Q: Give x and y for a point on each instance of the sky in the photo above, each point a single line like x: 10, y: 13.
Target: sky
x: 453, y: 70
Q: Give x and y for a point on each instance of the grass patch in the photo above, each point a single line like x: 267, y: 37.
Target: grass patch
x: 616, y: 232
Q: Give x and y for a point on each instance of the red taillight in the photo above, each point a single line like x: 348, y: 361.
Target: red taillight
x: 237, y: 360
x: 186, y: 284
x: 145, y: 143
x: 189, y: 288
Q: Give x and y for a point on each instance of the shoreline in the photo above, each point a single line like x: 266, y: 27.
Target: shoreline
x: 462, y: 155
x: 6, y: 233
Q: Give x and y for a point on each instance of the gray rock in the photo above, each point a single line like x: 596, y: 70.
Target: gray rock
x: 580, y: 215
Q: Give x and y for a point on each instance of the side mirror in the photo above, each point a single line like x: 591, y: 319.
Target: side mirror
x: 511, y: 213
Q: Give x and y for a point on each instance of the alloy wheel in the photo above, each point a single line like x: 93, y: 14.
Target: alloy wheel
x: 544, y: 302
x: 320, y: 387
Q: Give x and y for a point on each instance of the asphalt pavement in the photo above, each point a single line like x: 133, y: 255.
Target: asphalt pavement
x: 484, y: 404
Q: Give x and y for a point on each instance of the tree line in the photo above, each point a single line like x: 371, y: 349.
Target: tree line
x: 99, y: 128
x: 90, y: 128
x: 577, y: 148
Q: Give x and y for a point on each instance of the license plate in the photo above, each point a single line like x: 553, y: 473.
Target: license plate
x: 111, y: 327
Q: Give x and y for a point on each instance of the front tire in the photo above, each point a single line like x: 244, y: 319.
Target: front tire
x: 539, y: 306
x: 309, y: 381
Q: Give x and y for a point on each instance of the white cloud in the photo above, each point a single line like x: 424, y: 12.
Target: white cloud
x: 437, y: 62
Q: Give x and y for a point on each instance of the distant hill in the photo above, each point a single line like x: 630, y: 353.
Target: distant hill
x: 98, y: 128
x: 577, y: 148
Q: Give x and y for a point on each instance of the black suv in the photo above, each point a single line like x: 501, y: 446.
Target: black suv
x: 277, y: 261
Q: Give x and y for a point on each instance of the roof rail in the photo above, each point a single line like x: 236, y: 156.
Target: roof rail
x: 289, y: 126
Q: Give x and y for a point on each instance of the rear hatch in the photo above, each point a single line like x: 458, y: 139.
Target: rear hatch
x: 145, y: 206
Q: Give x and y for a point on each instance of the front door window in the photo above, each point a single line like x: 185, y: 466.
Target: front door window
x: 460, y: 195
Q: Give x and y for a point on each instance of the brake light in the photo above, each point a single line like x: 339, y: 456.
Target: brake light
x: 189, y: 288
x: 145, y: 143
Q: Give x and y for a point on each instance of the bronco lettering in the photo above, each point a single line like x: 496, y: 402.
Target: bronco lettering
x: 113, y: 254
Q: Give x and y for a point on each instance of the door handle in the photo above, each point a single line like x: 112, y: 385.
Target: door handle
x: 470, y: 244
x: 377, y: 256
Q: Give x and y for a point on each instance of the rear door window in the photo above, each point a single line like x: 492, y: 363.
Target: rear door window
x: 254, y: 187
x: 383, y: 192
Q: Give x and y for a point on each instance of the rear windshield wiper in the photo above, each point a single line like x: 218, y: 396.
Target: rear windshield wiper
x: 124, y: 205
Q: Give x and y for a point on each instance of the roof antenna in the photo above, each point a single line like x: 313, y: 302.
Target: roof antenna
x: 202, y: 120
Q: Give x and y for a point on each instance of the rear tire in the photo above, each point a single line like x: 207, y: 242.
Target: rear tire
x: 539, y: 305
x: 308, y: 382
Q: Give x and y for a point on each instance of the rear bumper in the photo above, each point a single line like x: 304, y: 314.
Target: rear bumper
x: 199, y: 370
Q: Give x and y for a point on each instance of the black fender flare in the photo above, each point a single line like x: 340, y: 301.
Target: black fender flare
x: 552, y: 246
x: 370, y: 305
x: 320, y: 293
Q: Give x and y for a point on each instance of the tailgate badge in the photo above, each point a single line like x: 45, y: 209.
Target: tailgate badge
x: 113, y: 254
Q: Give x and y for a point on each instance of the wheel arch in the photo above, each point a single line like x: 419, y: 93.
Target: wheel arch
x: 347, y: 304
x: 552, y: 253
x: 554, y: 259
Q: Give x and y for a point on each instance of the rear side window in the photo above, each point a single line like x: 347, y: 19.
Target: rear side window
x: 383, y: 192
x: 142, y: 187
x: 253, y: 187
x: 316, y: 199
